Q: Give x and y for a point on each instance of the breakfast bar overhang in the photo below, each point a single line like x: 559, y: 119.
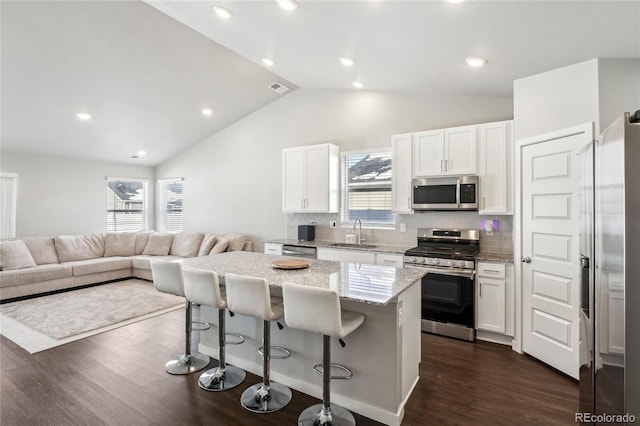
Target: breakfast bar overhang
x: 384, y: 353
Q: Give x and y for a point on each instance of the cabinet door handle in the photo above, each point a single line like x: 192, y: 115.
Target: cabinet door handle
x: 480, y: 289
x: 409, y: 202
x: 483, y: 202
x: 446, y: 165
x: 442, y: 165
x: 389, y: 261
x: 491, y: 270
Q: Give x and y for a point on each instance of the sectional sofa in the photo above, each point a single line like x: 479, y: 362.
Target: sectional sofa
x: 37, y: 265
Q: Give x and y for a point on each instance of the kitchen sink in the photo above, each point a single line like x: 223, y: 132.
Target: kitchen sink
x: 353, y: 245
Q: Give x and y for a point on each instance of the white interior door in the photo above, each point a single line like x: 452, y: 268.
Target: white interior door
x: 550, y: 176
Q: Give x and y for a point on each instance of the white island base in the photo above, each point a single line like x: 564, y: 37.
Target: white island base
x: 384, y: 355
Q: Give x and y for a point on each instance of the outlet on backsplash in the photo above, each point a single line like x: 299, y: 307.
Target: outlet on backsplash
x: 333, y: 224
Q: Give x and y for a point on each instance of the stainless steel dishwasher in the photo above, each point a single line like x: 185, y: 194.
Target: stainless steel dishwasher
x: 299, y: 251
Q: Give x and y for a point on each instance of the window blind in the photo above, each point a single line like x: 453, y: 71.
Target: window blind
x: 366, y: 187
x: 171, y: 195
x: 126, y: 205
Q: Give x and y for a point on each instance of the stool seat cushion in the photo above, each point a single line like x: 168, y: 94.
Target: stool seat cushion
x: 317, y: 310
x: 202, y: 287
x: 251, y: 296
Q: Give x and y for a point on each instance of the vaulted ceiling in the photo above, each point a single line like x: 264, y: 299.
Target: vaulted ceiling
x: 145, y: 70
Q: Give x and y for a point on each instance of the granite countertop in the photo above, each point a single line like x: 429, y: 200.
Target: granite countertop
x: 380, y: 248
x: 485, y: 256
x: 373, y: 284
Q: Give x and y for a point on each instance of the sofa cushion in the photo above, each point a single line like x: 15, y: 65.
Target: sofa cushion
x: 158, y: 245
x: 144, y: 262
x: 142, y: 238
x: 101, y: 264
x: 79, y: 247
x: 236, y: 241
x: 207, y: 244
x: 43, y: 249
x: 34, y: 275
x: 221, y: 245
x: 185, y: 244
x: 15, y: 255
x: 119, y: 244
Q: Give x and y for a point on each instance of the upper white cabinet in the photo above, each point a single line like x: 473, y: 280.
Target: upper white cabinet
x: 495, y: 168
x: 445, y: 152
x: 401, y: 154
x: 310, y: 179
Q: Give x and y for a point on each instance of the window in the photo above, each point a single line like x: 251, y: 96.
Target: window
x: 366, y: 188
x: 170, y: 198
x: 126, y: 204
x: 8, y: 196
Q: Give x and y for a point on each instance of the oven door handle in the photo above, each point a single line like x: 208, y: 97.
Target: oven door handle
x: 455, y: 273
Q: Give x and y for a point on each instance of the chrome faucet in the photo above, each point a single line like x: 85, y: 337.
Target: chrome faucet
x: 358, y: 221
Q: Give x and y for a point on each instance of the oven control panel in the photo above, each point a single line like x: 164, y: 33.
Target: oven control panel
x: 434, y: 261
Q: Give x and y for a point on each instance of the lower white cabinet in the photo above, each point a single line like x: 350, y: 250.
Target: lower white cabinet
x: 495, y: 298
x: 360, y: 256
x: 273, y: 248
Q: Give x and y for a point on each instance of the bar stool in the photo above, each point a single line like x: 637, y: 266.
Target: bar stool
x: 167, y: 278
x: 318, y: 310
x: 202, y: 287
x: 251, y: 296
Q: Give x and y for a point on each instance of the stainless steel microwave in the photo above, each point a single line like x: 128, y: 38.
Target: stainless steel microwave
x: 445, y: 193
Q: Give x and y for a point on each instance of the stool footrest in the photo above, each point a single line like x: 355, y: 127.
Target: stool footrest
x: 238, y: 342
x: 286, y: 353
x: 203, y: 325
x: 349, y: 374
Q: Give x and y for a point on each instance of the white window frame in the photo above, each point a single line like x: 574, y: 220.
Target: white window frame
x: 145, y: 202
x: 344, y: 221
x: 161, y: 221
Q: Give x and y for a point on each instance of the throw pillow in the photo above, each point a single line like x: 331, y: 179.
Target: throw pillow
x: 236, y: 241
x: 158, y: 245
x: 42, y: 249
x: 220, y: 246
x: 207, y: 244
x: 119, y: 244
x: 186, y: 245
x: 142, y: 238
x: 79, y: 247
x: 15, y: 255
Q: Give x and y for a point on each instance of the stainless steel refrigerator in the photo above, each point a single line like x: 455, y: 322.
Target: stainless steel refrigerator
x: 610, y: 273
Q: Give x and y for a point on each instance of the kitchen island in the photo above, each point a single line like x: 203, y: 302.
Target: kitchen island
x: 384, y: 353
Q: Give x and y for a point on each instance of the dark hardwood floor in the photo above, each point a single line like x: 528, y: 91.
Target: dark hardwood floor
x: 117, y: 378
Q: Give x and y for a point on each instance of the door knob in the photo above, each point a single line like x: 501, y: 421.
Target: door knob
x: 526, y: 259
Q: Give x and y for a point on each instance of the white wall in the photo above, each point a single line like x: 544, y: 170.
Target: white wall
x: 65, y: 196
x: 554, y: 100
x: 618, y: 88
x: 233, y: 178
x: 598, y: 91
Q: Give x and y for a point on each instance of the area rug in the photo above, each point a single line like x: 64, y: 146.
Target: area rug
x: 45, y: 322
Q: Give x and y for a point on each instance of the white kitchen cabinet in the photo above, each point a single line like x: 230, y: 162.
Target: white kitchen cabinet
x: 402, y: 154
x: 495, y: 168
x: 388, y: 259
x: 339, y: 255
x: 273, y: 248
x: 310, y: 179
x: 369, y: 257
x: 494, y: 298
x: 445, y: 152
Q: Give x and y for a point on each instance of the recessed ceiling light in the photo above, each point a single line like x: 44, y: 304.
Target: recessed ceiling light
x: 347, y: 62
x: 222, y: 12
x: 141, y: 153
x: 268, y: 62
x: 83, y: 116
x: 474, y: 61
x: 207, y: 111
x: 455, y: 1
x: 358, y: 85
x: 288, y: 4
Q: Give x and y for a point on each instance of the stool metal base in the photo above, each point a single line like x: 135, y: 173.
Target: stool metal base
x: 187, y: 364
x: 313, y: 416
x: 215, y: 380
x: 260, y: 399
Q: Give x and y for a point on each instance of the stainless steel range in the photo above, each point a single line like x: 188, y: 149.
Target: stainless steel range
x: 448, y: 256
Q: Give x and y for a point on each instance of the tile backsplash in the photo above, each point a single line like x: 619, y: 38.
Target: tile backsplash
x: 499, y: 242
